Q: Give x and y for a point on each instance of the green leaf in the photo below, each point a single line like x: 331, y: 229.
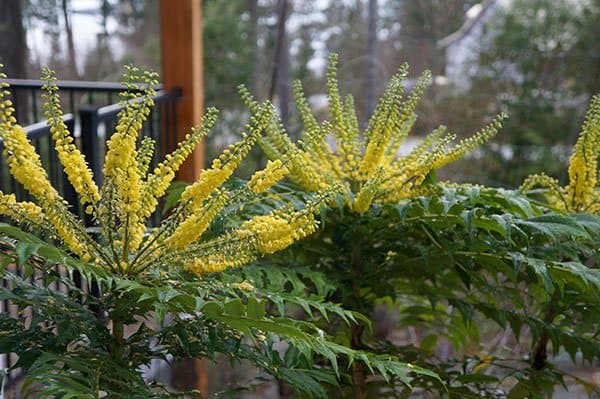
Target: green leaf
x: 213, y: 309
x: 555, y: 226
x: 256, y: 308
x: 235, y: 307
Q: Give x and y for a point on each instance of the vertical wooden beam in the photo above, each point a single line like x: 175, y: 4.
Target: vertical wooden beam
x: 181, y: 66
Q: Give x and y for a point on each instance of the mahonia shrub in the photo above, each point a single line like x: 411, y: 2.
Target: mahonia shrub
x: 365, y: 163
x: 581, y: 195
x: 459, y: 262
x: 156, y: 283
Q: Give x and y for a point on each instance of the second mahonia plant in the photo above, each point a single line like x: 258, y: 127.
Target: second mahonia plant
x: 366, y: 164
x: 581, y: 195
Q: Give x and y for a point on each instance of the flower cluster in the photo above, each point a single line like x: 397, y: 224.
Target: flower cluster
x: 279, y: 229
x: 25, y: 165
x: 365, y: 163
x: 70, y: 157
x: 264, y: 179
x: 24, y: 211
x: 581, y: 194
x: 131, y: 188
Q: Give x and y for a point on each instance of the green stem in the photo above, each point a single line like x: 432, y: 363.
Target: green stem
x: 116, y: 350
x: 540, y: 353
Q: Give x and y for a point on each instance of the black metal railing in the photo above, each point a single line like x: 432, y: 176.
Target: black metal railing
x: 92, y: 116
x: 26, y: 95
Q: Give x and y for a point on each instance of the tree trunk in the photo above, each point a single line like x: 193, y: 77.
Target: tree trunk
x: 12, y: 46
x: 70, y: 43
x: 370, y: 78
x: 253, y: 36
x: 13, y: 53
x: 281, y: 78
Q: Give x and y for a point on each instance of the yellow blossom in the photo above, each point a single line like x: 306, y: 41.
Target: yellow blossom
x: 271, y: 174
x: 215, y: 263
x: 130, y: 193
x: 274, y: 233
x: 192, y: 227
x: 158, y: 182
x: 21, y: 212
x: 244, y: 286
x: 25, y: 164
x: 365, y: 196
x: 121, y: 170
x: 335, y: 153
x: 70, y: 157
x: 581, y: 194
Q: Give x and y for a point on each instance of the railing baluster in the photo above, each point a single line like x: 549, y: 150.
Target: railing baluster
x: 90, y: 145
x: 72, y: 102
x: 68, y: 191
x: 34, y: 107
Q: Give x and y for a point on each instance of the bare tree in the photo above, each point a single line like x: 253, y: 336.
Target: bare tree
x: 72, y: 64
x: 370, y: 78
x: 253, y: 36
x: 13, y: 48
x: 281, y: 68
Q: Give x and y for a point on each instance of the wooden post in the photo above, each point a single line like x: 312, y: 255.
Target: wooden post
x: 181, y: 64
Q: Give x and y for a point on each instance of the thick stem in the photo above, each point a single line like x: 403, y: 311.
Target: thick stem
x: 541, y: 350
x: 116, y: 350
x: 358, y: 370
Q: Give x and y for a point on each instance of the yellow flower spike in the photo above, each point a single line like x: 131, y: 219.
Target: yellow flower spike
x: 342, y: 119
x: 557, y: 196
x: 272, y: 233
x: 209, y: 180
x: 420, y: 151
x: 74, y: 164
x: 196, y: 224
x: 403, y: 128
x: 25, y: 166
x: 313, y: 137
x: 121, y: 170
x: 223, y: 167
x: 333, y: 94
x: 215, y: 263
x: 351, y: 118
x: 144, y: 156
x: 158, y: 182
x: 388, y: 118
x: 470, y: 143
x: 130, y: 193
x: 22, y: 212
x: 282, y: 227
x: 388, y: 107
x: 24, y: 163
x: 264, y: 179
x: 368, y: 191
x: 581, y: 194
x: 277, y: 145
x: 583, y: 166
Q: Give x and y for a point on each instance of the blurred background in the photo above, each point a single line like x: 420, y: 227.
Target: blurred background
x: 537, y: 60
